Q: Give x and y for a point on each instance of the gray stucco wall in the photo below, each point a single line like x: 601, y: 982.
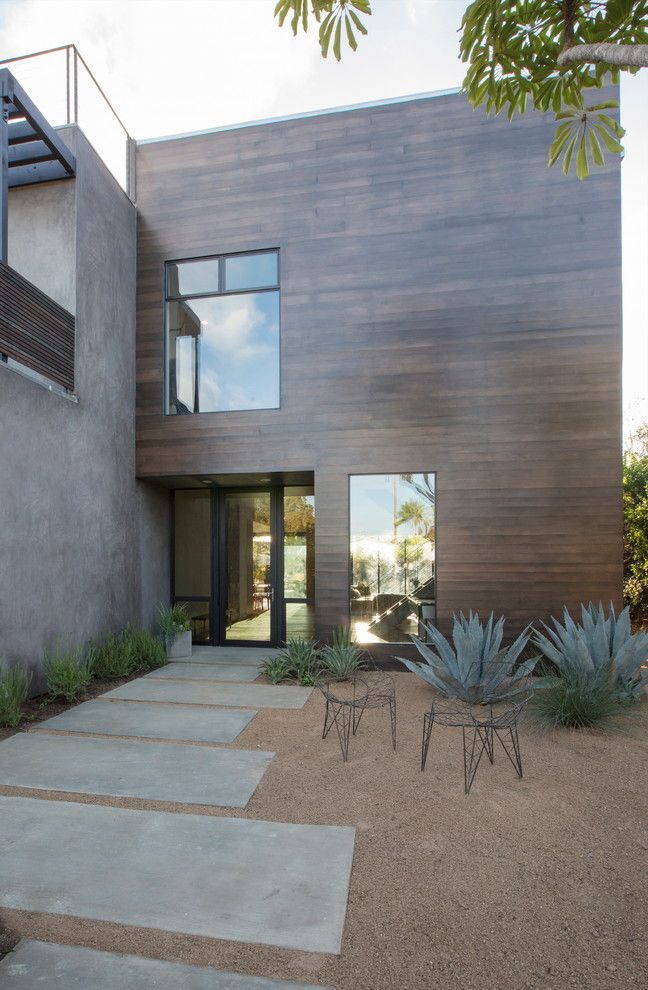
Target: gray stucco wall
x: 73, y: 518
x: 42, y: 238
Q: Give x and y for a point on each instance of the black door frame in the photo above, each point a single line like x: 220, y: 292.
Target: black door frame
x: 217, y: 602
x: 219, y: 565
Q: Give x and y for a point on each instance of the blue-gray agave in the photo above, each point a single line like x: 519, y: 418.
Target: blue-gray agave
x: 598, y: 645
x: 478, y: 670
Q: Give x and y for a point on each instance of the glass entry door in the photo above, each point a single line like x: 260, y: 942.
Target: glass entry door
x: 249, y: 568
x: 243, y: 563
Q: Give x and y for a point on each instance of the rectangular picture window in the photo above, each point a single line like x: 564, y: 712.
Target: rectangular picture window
x: 189, y: 278
x: 222, y: 347
x: 251, y: 271
x: 392, y: 550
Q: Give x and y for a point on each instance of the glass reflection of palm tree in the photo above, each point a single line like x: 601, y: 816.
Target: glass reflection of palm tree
x: 416, y: 514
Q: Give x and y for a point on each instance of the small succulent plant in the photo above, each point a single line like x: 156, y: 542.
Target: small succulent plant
x: 341, y: 658
x: 300, y: 658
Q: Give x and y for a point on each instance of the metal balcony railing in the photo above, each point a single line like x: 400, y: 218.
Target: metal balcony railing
x: 66, y: 92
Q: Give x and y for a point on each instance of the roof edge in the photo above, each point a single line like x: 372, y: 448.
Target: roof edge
x: 390, y: 101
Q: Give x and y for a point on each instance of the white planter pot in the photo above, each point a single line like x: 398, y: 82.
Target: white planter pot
x: 180, y: 647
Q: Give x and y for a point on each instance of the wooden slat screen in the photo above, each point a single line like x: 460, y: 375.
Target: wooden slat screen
x: 35, y: 330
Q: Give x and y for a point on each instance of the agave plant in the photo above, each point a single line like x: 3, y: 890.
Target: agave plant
x: 599, y: 645
x: 299, y: 657
x: 477, y: 670
x: 341, y: 658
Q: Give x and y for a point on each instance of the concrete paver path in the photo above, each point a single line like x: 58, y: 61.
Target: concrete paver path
x: 205, y: 671
x: 48, y: 966
x: 229, y: 878
x: 153, y: 771
x: 212, y: 693
x: 229, y: 654
x: 124, y: 718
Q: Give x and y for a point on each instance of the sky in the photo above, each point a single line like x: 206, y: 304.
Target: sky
x: 170, y: 66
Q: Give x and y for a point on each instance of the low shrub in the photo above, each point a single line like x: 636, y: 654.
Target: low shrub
x: 577, y: 698
x: 122, y: 654
x: 276, y: 669
x: 14, y: 685
x: 111, y: 658
x: 67, y: 673
x: 341, y: 658
x: 145, y: 650
x: 300, y: 658
x: 173, y: 620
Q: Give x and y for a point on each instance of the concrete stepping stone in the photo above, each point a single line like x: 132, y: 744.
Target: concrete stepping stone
x: 69, y: 967
x: 131, y: 768
x: 207, y: 672
x: 212, y: 693
x: 229, y: 654
x: 228, y: 878
x: 120, y: 718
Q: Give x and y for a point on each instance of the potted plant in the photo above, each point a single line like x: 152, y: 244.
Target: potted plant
x: 176, y: 630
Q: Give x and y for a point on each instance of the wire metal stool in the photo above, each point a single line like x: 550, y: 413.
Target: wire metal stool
x: 480, y: 727
x: 347, y: 701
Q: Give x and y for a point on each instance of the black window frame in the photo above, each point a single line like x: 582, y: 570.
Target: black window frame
x: 221, y: 291
x: 373, y: 474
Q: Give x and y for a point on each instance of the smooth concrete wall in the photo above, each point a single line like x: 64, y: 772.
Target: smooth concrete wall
x: 73, y: 518
x: 42, y: 238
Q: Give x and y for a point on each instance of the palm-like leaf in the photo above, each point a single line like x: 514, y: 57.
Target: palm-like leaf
x: 338, y: 20
x: 512, y: 53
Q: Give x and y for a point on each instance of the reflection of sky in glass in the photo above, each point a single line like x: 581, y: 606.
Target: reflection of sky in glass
x: 392, y: 533
x: 238, y: 351
x: 252, y: 271
x: 372, y: 504
x: 190, y: 277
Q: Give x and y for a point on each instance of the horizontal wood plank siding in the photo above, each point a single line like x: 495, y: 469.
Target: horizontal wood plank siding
x: 448, y: 304
x: 35, y: 330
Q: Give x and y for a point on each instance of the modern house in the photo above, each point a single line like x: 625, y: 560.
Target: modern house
x: 361, y: 365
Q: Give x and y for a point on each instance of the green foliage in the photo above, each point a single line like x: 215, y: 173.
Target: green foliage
x: 276, y: 669
x: 301, y: 660
x: 67, y: 673
x: 14, y: 685
x: 478, y: 670
x: 512, y: 52
x: 578, y: 699
x: 598, y: 646
x: 635, y: 513
x: 111, y: 658
x: 339, y: 20
x: 146, y: 651
x: 122, y: 654
x: 341, y: 658
x: 173, y: 620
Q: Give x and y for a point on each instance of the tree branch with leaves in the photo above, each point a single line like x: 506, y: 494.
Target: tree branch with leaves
x: 548, y: 54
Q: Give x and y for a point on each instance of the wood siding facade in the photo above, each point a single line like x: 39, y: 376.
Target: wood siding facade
x: 448, y: 304
x: 35, y: 330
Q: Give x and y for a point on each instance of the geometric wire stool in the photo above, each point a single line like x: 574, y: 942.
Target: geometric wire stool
x: 347, y: 701
x: 480, y: 727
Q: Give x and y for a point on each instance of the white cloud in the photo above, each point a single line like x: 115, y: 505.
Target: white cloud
x: 419, y: 10
x: 233, y: 328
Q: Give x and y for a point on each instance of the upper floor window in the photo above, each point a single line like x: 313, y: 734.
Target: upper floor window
x: 222, y: 333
